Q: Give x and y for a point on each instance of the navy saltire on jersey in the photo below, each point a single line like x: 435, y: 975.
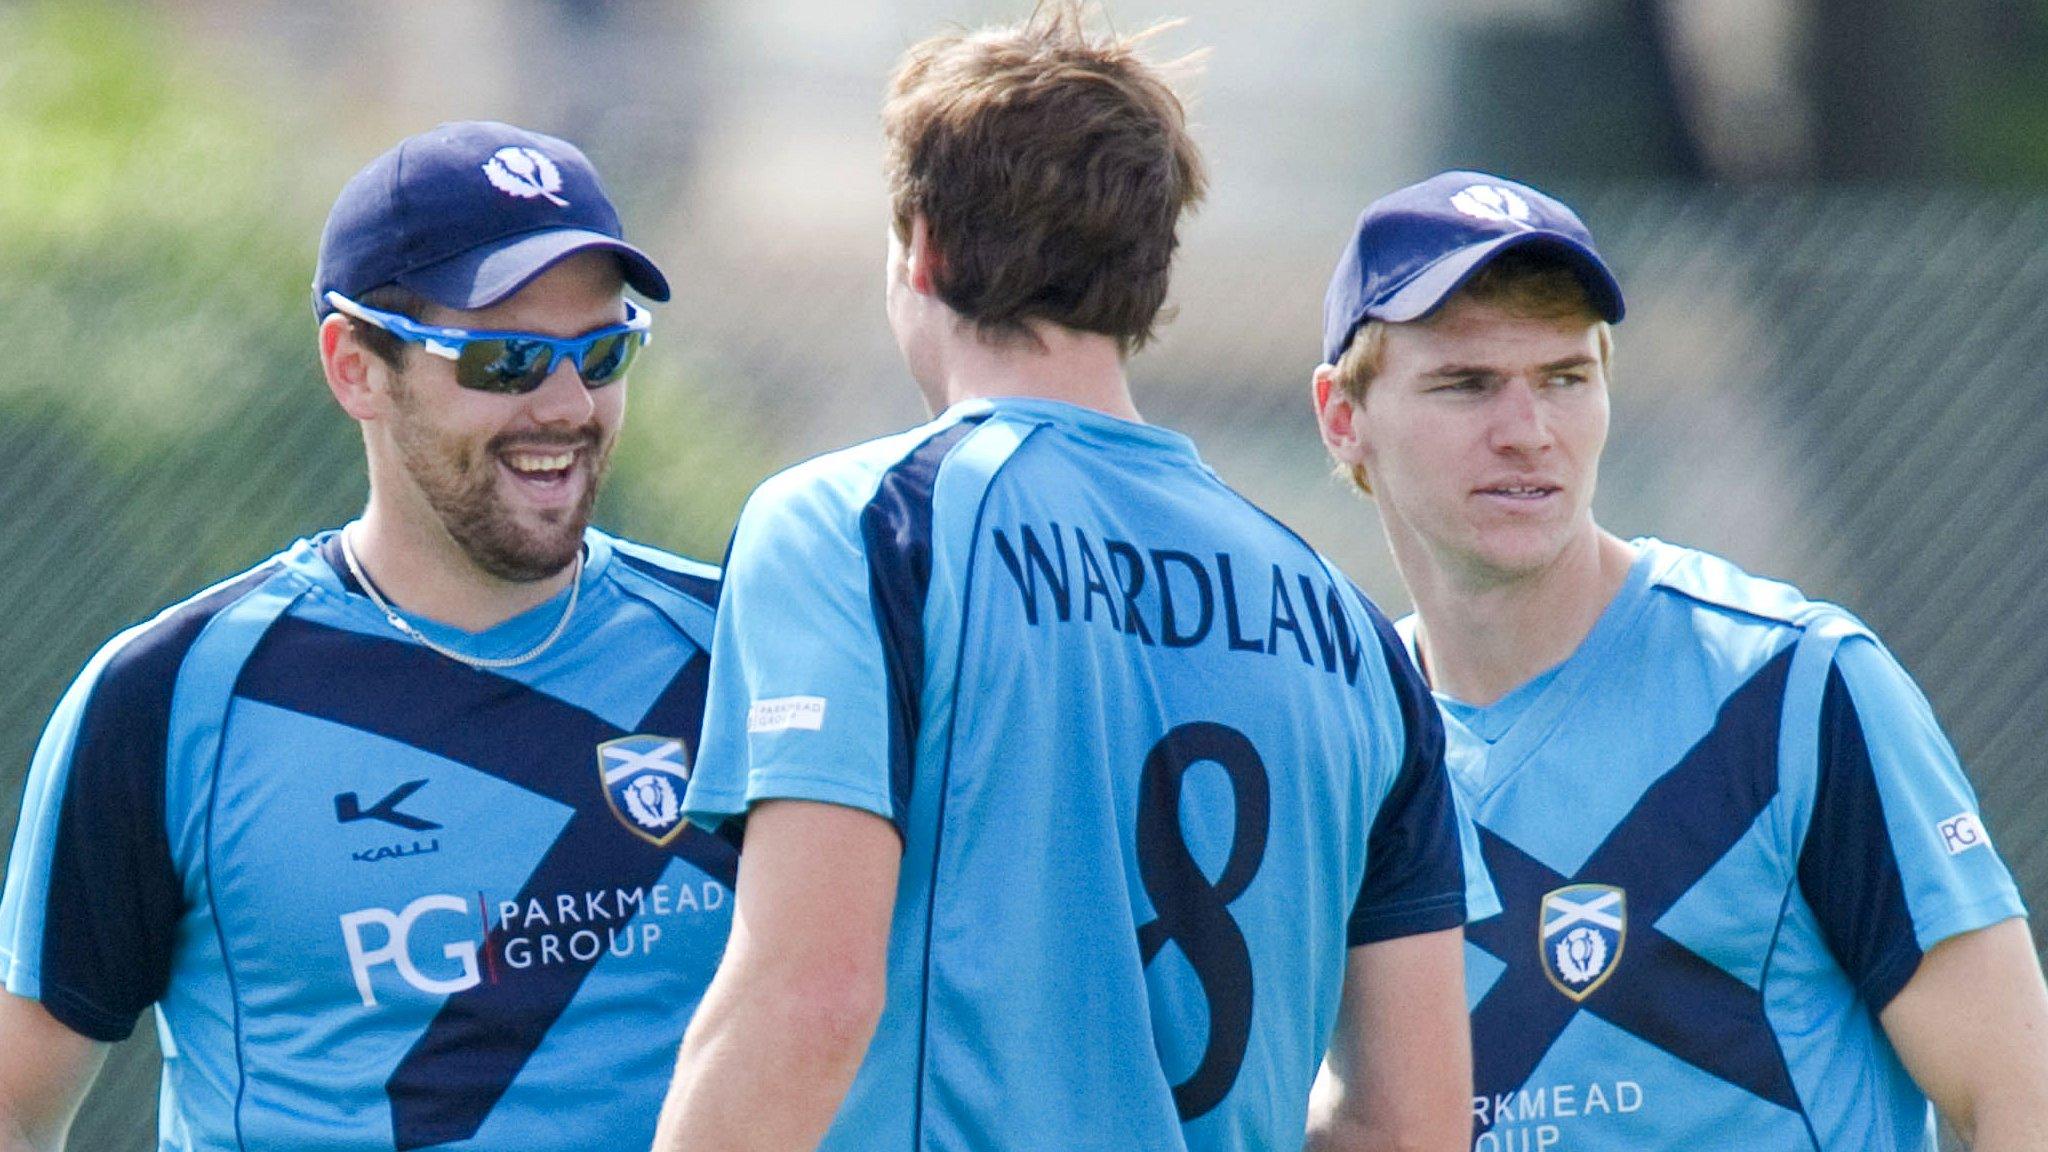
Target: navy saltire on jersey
x: 1724, y: 832
x: 1155, y: 764
x: 381, y: 899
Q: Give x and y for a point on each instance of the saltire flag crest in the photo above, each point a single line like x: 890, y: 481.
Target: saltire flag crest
x: 1582, y: 930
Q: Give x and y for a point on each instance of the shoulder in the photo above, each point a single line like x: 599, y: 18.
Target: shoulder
x: 1728, y: 611
x: 681, y: 575
x: 1878, y: 695
x: 113, y: 728
x: 825, y: 499
x: 144, y: 661
x: 1720, y: 585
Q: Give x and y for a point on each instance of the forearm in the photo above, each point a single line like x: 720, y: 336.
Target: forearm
x: 2010, y: 1130
x: 1338, y: 1131
x: 1972, y: 1028
x: 23, y: 1131
x: 1361, y: 1134
x: 2009, y: 1112
x: 1398, y: 1074
x: 787, y: 1020
x: 45, y: 1069
x: 1331, y: 1134
x: 763, y: 1072
x: 13, y: 1139
x: 1335, y: 1131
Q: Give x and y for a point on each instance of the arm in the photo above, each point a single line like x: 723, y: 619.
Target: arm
x: 1972, y: 1027
x: 45, y: 1069
x: 1894, y: 856
x: 1399, y: 1070
x: 787, y: 1020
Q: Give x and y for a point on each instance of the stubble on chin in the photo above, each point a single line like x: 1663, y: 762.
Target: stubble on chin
x: 461, y: 486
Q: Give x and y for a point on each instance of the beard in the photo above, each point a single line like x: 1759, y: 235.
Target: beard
x: 459, y: 479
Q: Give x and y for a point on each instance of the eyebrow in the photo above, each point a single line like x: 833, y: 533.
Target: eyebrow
x: 1453, y: 371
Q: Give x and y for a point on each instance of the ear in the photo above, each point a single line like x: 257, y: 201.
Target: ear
x: 350, y: 368
x: 921, y: 262
x: 1338, y: 417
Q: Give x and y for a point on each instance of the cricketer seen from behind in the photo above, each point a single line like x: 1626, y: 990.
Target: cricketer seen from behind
x: 387, y: 829
x: 1085, y: 804
x: 1749, y: 902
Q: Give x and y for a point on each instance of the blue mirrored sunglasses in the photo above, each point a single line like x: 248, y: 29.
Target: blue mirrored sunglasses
x: 515, y: 362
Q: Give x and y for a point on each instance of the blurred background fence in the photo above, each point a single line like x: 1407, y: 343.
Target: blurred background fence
x: 1835, y: 367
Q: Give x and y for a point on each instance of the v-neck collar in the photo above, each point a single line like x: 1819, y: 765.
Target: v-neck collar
x: 1486, y: 764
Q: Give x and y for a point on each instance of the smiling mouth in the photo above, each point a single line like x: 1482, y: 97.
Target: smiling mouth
x: 540, y: 464
x: 550, y: 467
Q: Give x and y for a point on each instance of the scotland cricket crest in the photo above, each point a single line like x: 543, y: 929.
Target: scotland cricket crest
x: 644, y: 777
x: 1583, y: 927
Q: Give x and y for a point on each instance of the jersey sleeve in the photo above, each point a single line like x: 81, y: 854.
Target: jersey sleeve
x: 1417, y: 854
x: 89, y: 916
x: 1895, y: 857
x: 800, y: 701
x: 1482, y: 900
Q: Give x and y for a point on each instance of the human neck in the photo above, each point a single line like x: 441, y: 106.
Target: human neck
x: 1080, y: 368
x: 422, y: 571
x: 1480, y: 640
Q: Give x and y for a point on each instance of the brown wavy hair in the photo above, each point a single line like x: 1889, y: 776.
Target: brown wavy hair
x: 1051, y: 164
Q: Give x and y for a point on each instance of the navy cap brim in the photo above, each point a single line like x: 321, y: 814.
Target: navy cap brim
x: 1435, y: 284
x: 485, y: 276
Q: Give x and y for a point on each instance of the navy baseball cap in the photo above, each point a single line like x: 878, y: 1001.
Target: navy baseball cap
x: 1415, y: 247
x: 469, y: 213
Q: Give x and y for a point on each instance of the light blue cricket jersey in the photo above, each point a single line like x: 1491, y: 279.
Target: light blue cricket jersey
x: 1725, y: 831
x: 1156, y: 766
x: 380, y: 899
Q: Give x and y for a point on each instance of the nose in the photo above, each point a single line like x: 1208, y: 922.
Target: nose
x: 1520, y: 423
x: 561, y: 397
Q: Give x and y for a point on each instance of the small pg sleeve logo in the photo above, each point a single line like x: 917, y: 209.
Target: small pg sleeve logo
x: 784, y: 713
x: 1962, y: 832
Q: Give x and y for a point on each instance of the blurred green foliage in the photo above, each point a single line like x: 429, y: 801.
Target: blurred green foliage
x: 156, y: 244
x: 163, y: 423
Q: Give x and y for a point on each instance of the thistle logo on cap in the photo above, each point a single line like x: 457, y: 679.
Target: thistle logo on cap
x: 1492, y: 202
x: 525, y: 173
x: 468, y: 213
x: 1412, y: 249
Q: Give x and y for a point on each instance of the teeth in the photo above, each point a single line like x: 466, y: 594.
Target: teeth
x: 535, y: 462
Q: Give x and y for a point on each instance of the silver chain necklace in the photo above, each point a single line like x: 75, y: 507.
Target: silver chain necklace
x: 405, y: 627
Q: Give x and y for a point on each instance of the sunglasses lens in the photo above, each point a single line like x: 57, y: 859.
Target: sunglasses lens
x: 503, y: 365
x: 608, y: 359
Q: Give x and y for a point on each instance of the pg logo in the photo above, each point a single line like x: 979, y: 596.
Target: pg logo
x: 1962, y: 832
x: 393, y: 946
x: 1581, y: 931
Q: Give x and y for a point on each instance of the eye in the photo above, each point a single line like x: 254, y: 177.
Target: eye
x: 518, y: 358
